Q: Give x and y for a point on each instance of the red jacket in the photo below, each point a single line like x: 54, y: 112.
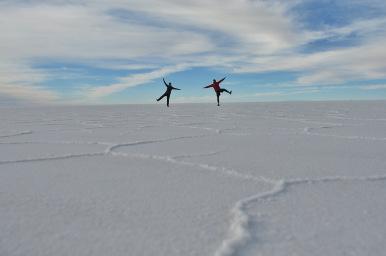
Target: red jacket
x: 215, y: 85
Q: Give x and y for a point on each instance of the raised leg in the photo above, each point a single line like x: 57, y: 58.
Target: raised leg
x: 160, y: 98
x: 225, y: 90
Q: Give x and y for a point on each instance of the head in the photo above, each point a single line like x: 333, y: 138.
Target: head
x: 170, y: 84
x: 214, y: 80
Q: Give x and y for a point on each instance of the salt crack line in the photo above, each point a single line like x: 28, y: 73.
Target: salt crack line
x: 215, y: 130
x: 56, y: 143
x: 213, y: 153
x: 221, y: 170
x: 304, y: 121
x: 16, y: 134
x: 291, y: 182
x: 144, y: 142
x: 218, y: 131
x: 308, y: 131
x: 358, y: 119
x: 239, y: 234
x: 39, y: 159
x: 107, y: 151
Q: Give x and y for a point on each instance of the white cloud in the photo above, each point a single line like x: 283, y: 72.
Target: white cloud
x: 258, y: 25
x: 80, y: 32
x: 28, y: 93
x: 133, y: 80
x: 21, y: 82
x: 356, y: 63
x: 328, y: 67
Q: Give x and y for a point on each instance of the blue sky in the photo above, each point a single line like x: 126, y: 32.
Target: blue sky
x: 117, y: 51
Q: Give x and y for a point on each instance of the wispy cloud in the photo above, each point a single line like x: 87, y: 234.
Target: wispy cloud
x: 33, y: 94
x: 334, y: 66
x: 133, y: 80
x: 19, y: 81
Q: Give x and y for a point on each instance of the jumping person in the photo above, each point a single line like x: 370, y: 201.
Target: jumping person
x: 218, y: 89
x: 169, y: 89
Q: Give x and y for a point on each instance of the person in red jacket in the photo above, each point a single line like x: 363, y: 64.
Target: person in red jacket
x: 218, y: 89
x: 169, y: 89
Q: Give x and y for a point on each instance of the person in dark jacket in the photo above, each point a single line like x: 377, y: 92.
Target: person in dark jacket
x: 169, y: 89
x: 216, y: 87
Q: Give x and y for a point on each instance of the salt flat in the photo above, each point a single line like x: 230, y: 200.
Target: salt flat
x: 301, y: 178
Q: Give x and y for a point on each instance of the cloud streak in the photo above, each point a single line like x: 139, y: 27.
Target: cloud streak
x: 18, y: 81
x: 133, y: 80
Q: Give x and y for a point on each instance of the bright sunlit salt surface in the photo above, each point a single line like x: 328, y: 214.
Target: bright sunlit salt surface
x: 241, y: 179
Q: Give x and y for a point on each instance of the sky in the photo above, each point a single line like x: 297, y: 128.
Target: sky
x: 118, y: 51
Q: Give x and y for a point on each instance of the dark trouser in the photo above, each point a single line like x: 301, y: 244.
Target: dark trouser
x: 225, y: 90
x: 218, y: 93
x: 167, y: 98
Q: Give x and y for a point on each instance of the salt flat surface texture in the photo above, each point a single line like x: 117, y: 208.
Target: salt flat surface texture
x: 242, y: 179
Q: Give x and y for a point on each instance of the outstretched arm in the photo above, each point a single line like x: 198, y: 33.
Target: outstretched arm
x: 222, y: 80
x: 174, y: 88
x: 164, y: 82
x: 211, y: 85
